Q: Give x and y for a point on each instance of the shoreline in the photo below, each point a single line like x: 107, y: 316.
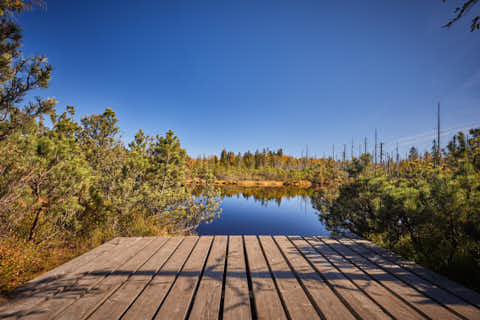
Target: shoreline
x: 303, y: 184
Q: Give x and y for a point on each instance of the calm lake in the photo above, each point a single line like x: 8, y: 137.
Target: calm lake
x: 265, y: 211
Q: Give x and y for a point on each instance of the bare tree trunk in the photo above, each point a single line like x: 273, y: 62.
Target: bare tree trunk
x: 32, y: 228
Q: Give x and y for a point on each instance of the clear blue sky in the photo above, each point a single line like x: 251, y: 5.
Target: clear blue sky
x: 253, y: 74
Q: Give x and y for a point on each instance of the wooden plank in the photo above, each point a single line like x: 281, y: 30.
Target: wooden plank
x: 119, y: 302
x: 47, y: 284
x: 326, y: 300
x: 431, y: 291
x: 237, y: 298
x: 80, y: 261
x: 146, y: 305
x: 177, y: 302
x: 363, y: 306
x: 407, y: 293
x: 94, y: 276
x: 206, y: 303
x: 296, y: 301
x: 267, y: 301
x: 50, y: 290
x: 313, y: 277
x: 453, y: 287
x: 83, y: 307
x: 395, y: 306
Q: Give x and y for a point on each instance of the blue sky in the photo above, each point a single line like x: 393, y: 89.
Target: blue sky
x: 254, y: 74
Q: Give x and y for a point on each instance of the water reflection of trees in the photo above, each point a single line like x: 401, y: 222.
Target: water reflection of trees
x: 264, y: 195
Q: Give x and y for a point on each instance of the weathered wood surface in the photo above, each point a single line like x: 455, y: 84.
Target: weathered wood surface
x: 241, y: 277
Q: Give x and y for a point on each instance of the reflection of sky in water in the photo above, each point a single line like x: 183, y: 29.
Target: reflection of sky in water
x: 293, y: 216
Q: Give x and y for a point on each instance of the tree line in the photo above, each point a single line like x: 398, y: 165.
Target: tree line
x: 269, y: 165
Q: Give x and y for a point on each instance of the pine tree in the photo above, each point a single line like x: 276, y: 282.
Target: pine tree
x: 413, y: 154
x: 19, y: 76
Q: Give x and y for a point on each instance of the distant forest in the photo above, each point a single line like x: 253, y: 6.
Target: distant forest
x: 270, y: 164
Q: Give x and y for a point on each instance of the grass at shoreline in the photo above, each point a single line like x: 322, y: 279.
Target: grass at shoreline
x: 303, y: 184
x: 21, y: 261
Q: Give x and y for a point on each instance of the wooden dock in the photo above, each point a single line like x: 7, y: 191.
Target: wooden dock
x: 241, y: 277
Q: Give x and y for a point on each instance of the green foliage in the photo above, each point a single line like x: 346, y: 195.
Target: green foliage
x: 431, y: 215
x: 10, y: 7
x: 19, y: 75
x: 271, y: 165
x: 413, y: 154
x: 69, y: 183
x: 70, y: 179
